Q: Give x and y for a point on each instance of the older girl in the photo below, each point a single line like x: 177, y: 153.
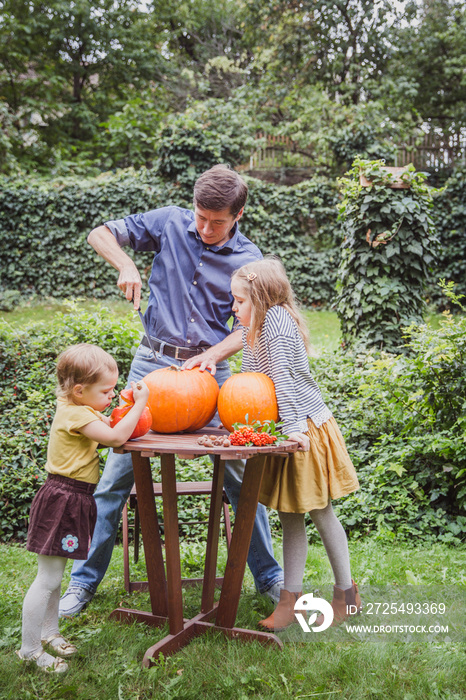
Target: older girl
x: 275, y: 343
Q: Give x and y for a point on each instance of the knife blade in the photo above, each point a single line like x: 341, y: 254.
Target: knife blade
x: 147, y: 333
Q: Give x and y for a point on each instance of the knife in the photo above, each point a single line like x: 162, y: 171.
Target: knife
x: 147, y: 333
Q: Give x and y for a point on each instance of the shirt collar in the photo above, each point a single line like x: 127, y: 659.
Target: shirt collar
x: 226, y: 248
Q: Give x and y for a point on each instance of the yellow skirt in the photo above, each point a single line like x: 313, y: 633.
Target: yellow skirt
x: 305, y: 481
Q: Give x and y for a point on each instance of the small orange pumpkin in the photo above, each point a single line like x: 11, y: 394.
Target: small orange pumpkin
x: 250, y: 394
x: 126, y: 404
x: 181, y: 400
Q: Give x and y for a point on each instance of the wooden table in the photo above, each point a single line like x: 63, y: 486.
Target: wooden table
x: 165, y: 590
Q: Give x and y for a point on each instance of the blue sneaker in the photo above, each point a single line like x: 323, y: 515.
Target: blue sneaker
x: 74, y: 601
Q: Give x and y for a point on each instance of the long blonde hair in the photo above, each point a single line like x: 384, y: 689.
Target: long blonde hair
x: 265, y: 284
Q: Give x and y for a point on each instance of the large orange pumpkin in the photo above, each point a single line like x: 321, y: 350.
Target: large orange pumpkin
x: 181, y: 400
x: 250, y: 394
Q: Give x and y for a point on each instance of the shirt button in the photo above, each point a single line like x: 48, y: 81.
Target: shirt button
x: 194, y: 282
x: 200, y: 264
x: 189, y: 342
x: 192, y: 320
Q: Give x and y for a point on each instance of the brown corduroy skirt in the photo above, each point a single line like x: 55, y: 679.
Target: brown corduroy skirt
x: 62, y: 518
x: 306, y: 481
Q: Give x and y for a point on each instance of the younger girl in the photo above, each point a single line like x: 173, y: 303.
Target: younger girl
x: 275, y: 343
x: 63, y: 512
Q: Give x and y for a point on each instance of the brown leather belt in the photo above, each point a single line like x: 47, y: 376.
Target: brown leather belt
x: 172, y: 350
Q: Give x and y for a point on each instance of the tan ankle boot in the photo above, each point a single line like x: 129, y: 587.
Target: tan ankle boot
x: 284, y: 614
x: 344, y: 604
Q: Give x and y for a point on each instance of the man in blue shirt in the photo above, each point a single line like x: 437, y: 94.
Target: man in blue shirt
x: 195, y: 254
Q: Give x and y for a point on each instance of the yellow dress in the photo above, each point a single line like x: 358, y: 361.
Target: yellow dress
x: 305, y: 481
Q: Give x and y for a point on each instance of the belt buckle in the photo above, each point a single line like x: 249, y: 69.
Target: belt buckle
x: 176, y: 353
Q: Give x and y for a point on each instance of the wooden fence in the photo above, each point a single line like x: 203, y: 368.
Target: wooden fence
x: 435, y: 152
x: 432, y: 153
x: 278, y: 152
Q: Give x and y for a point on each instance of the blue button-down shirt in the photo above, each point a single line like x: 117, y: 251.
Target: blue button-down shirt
x: 189, y: 287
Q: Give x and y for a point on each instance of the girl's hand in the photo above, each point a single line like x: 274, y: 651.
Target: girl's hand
x: 302, y: 439
x: 140, y: 391
x: 101, y: 430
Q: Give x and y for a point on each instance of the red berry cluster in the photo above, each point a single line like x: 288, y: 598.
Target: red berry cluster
x: 246, y: 435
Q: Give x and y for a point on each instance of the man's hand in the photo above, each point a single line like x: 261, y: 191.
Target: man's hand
x: 302, y: 439
x: 211, y: 357
x: 129, y: 280
x: 206, y: 360
x: 130, y: 284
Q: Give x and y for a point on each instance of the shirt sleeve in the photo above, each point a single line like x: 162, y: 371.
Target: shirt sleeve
x: 81, y: 416
x: 119, y: 230
x: 142, y: 232
x: 281, y: 362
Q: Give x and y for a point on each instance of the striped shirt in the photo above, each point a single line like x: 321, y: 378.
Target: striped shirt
x: 281, y: 355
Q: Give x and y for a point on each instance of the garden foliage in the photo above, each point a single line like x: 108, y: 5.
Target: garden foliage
x: 402, y: 417
x: 388, y: 250
x: 450, y: 221
x: 44, y: 225
x: 43, y: 229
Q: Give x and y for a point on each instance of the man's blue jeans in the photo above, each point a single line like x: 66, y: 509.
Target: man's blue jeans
x: 117, y: 480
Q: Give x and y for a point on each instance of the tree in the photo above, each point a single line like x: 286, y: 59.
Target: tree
x: 65, y: 66
x: 340, y: 44
x: 430, y: 60
x: 206, y: 47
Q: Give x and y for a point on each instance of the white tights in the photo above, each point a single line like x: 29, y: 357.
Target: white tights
x: 40, y: 606
x: 295, y: 547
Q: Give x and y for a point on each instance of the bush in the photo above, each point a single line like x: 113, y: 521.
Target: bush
x: 43, y: 229
x: 450, y: 220
x: 403, y: 421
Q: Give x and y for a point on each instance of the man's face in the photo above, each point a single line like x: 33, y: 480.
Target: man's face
x: 214, y: 226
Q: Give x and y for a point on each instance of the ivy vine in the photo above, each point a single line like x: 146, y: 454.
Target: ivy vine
x: 389, y: 247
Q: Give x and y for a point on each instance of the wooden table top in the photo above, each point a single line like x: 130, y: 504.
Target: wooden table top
x: 186, y: 445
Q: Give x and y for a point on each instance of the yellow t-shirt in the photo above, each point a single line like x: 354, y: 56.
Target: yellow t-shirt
x: 70, y: 453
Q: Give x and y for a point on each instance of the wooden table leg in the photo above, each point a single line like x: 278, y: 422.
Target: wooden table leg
x: 172, y: 543
x: 150, y: 535
x: 216, y: 502
x: 152, y: 549
x: 238, y: 554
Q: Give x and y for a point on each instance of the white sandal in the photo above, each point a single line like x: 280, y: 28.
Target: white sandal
x: 65, y: 648
x: 58, y: 665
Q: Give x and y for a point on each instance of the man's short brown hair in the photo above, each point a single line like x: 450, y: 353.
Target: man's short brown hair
x: 221, y: 188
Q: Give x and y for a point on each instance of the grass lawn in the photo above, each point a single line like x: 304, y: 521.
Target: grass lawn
x: 108, y: 665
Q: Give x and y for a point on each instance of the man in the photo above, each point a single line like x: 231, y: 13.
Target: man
x: 189, y: 307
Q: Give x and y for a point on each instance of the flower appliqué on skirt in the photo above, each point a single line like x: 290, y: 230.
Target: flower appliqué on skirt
x: 69, y: 543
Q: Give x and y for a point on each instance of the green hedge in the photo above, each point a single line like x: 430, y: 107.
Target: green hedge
x: 43, y: 227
